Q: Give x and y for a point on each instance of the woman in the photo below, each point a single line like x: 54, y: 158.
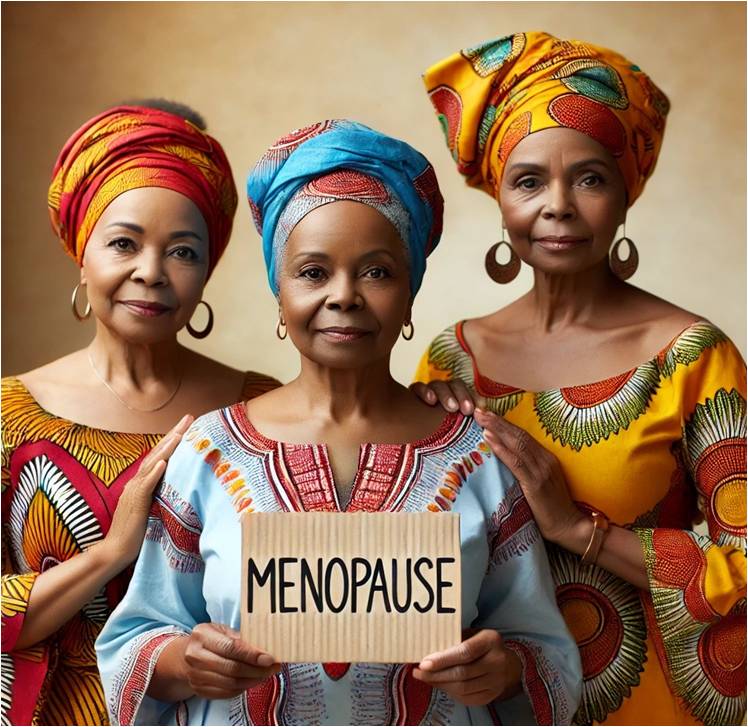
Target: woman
x: 617, y: 467
x: 143, y: 200
x: 347, y: 216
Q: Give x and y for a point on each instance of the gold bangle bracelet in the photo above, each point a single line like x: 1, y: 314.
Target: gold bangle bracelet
x: 600, y: 526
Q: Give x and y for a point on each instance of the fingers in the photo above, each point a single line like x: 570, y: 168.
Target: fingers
x: 452, y: 674
x: 227, y: 643
x: 469, y: 650
x: 424, y: 392
x: 463, y: 395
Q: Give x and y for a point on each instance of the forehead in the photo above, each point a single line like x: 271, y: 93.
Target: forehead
x: 342, y: 229
x: 154, y: 206
x: 558, y: 145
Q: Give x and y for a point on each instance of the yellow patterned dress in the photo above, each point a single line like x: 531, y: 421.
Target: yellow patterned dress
x: 656, y: 449
x: 60, y: 486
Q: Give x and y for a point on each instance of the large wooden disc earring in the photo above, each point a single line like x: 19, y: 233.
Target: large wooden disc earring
x: 74, y: 305
x: 280, y: 327
x: 624, y: 269
x: 208, y: 326
x: 506, y: 272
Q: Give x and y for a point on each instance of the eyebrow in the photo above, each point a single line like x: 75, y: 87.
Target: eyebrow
x: 531, y: 167
x: 301, y: 256
x: 173, y: 236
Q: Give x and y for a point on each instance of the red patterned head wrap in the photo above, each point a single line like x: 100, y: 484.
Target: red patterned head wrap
x: 129, y: 147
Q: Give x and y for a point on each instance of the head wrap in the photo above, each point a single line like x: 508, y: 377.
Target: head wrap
x: 339, y: 159
x: 129, y: 147
x: 492, y: 96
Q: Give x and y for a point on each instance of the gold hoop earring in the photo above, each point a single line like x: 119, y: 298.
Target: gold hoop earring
x: 280, y: 328
x: 411, y: 330
x: 208, y: 327
x: 73, y: 303
x: 624, y: 269
x: 498, y: 272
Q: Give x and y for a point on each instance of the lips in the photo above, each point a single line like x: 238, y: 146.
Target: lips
x: 146, y: 308
x: 344, y: 333
x: 562, y: 242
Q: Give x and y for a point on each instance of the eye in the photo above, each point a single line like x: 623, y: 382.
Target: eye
x: 121, y: 244
x: 377, y: 273
x: 527, y: 183
x: 591, y: 180
x: 312, y: 273
x: 184, y: 252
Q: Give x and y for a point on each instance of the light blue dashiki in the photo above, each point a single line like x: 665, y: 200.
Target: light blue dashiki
x: 189, y: 572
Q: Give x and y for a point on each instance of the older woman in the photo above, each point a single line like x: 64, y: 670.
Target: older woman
x: 347, y: 217
x: 143, y: 200
x: 621, y: 415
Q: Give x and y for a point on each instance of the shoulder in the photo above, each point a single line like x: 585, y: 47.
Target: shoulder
x: 445, y: 356
x: 256, y: 384
x: 700, y: 344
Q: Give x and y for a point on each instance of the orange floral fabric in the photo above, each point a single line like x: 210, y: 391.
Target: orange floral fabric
x: 490, y: 97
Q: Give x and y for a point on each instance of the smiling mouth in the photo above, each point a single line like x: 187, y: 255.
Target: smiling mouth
x: 566, y: 242
x: 145, y: 308
x: 343, y: 334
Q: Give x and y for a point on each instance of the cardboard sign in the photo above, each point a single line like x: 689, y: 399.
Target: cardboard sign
x: 341, y: 587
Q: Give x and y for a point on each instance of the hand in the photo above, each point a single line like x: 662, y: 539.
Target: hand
x: 475, y: 672
x: 538, y: 473
x: 129, y: 521
x: 451, y: 395
x: 219, y: 665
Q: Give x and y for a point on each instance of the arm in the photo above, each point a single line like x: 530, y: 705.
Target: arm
x: 52, y: 598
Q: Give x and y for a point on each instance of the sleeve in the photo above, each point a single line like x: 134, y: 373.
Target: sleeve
x: 23, y: 671
x: 697, y: 604
x: 441, y: 360
x: 164, y: 600
x: 517, y: 598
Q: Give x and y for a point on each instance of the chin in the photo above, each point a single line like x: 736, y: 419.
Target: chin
x: 148, y: 333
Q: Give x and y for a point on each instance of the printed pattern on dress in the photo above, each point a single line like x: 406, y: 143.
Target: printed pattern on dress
x: 176, y: 526
x: 541, y: 683
x: 512, y: 528
x: 131, y: 681
x: 715, y: 442
x: 606, y: 619
x: 705, y: 652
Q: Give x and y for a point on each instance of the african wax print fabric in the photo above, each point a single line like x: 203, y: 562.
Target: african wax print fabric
x: 372, y: 168
x: 656, y: 449
x: 490, y: 97
x: 60, y: 485
x: 224, y: 468
x: 129, y: 147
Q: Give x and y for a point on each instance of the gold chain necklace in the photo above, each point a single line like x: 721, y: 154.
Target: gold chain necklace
x: 121, y: 400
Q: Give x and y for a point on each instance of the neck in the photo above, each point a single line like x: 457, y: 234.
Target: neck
x: 339, y: 395
x: 134, y: 365
x: 561, y: 301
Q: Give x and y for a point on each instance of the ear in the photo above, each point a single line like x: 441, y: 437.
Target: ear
x: 83, y: 275
x: 409, y: 312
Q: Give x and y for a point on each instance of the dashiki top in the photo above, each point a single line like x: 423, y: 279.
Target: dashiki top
x: 189, y: 572
x: 656, y: 449
x: 60, y: 486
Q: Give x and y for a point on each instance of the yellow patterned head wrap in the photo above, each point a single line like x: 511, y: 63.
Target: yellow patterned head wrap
x: 490, y: 97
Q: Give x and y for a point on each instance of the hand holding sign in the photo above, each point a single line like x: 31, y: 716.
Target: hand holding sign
x: 475, y: 672
x: 219, y: 665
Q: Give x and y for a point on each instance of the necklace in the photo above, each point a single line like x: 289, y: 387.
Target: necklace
x: 121, y: 400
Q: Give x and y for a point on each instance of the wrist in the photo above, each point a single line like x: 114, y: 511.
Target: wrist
x: 576, y: 535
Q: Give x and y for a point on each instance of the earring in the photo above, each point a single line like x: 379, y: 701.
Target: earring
x: 410, y: 328
x: 73, y: 303
x: 498, y: 272
x: 208, y: 327
x: 624, y: 269
x: 280, y: 327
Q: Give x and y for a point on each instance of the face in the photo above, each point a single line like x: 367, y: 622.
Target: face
x: 562, y: 200
x: 146, y: 263
x: 344, y: 285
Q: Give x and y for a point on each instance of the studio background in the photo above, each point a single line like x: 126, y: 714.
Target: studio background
x: 257, y: 70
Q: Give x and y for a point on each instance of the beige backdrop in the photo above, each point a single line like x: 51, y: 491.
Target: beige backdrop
x: 258, y: 70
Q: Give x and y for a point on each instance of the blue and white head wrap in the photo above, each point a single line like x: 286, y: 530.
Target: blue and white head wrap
x: 340, y: 159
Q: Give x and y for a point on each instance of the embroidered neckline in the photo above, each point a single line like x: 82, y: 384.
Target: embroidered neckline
x: 486, y: 386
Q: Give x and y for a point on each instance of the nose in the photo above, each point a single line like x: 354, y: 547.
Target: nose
x: 343, y: 293
x: 149, y: 269
x: 559, y: 203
